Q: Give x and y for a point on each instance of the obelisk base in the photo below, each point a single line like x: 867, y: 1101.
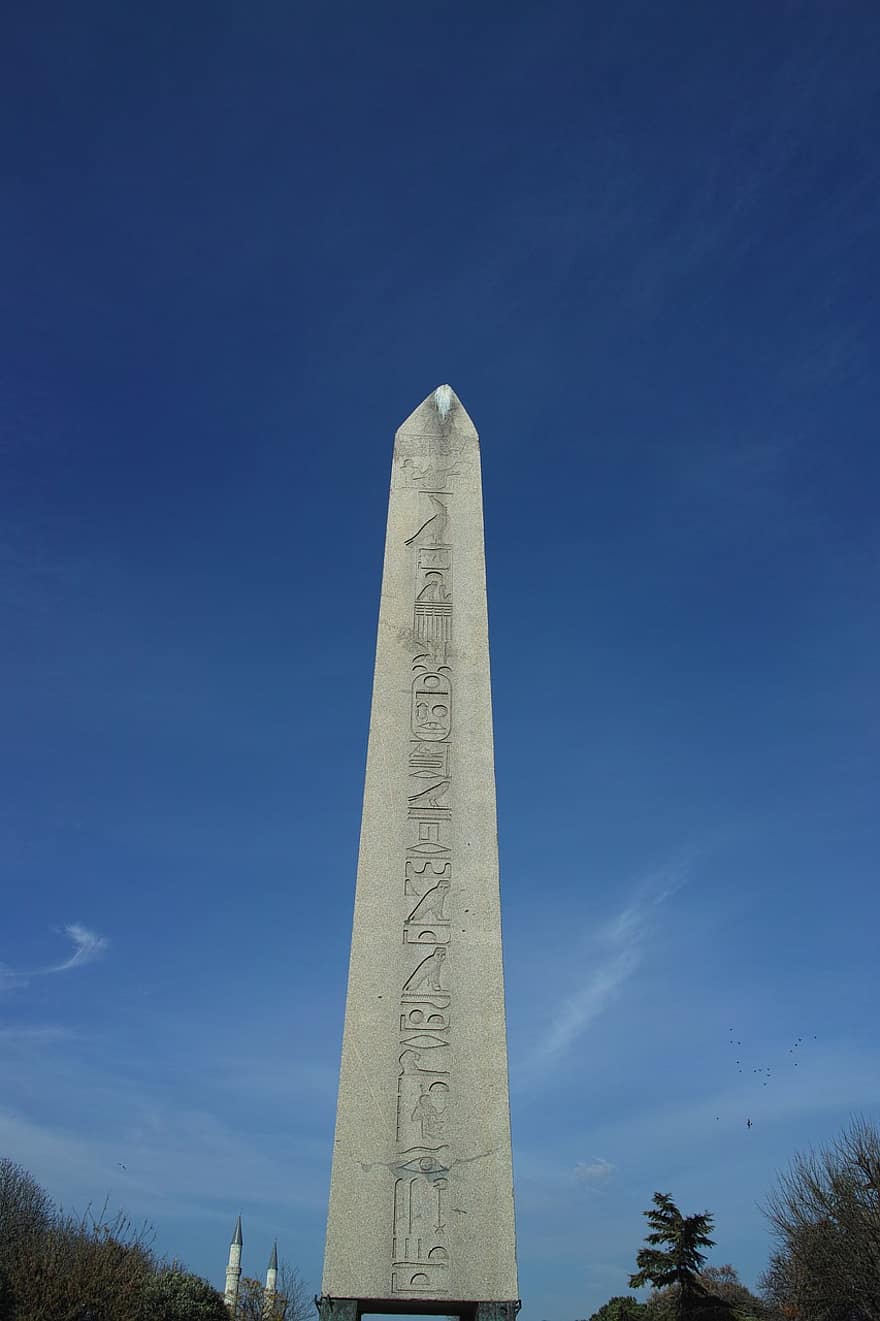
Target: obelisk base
x: 353, y: 1309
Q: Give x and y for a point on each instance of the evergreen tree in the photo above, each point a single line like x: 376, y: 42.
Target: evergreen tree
x: 673, y: 1256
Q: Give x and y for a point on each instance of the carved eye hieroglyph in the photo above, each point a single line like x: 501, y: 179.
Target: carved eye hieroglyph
x: 428, y: 1166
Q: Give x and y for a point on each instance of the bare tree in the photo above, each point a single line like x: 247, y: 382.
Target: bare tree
x: 723, y: 1282
x: 251, y: 1302
x: 26, y: 1211
x: 825, y: 1214
x: 724, y: 1298
x: 90, y: 1267
x: 290, y: 1301
x: 56, y: 1267
x: 298, y: 1303
x: 778, y: 1286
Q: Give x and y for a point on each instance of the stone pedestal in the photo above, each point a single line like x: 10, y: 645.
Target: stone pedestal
x: 352, y: 1309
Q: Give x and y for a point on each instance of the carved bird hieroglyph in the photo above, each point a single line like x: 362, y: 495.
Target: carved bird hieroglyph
x: 437, y: 523
x: 428, y: 972
x: 430, y: 797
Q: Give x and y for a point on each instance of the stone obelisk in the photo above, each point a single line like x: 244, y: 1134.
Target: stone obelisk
x: 421, y: 1197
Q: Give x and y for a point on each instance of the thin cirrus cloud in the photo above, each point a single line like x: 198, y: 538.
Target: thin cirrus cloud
x: 87, y: 946
x: 592, y: 1172
x: 619, y: 947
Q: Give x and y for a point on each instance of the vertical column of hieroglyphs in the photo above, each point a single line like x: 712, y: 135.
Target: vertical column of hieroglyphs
x: 420, y: 1247
x: 421, y: 1196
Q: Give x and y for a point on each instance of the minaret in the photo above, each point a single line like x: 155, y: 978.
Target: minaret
x: 233, y: 1267
x: 421, y: 1195
x: 271, y: 1281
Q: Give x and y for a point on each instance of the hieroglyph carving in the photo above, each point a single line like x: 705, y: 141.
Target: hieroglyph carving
x: 431, y: 715
x: 430, y: 475
x: 432, y: 610
x: 432, y: 599
x: 421, y: 1258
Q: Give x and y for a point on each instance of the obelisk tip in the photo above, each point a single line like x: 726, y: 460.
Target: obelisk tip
x: 444, y: 397
x: 439, y: 425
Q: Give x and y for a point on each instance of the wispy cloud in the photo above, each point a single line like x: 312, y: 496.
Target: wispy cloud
x: 618, y: 952
x: 87, y: 946
x: 596, y: 1171
x: 10, y: 979
x: 37, y: 1032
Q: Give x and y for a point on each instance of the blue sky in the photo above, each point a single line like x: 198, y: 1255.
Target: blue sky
x: 240, y: 244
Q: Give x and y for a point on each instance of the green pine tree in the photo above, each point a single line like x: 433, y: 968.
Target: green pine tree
x: 674, y: 1256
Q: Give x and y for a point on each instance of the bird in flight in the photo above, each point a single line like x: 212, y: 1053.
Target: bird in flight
x: 748, y: 1123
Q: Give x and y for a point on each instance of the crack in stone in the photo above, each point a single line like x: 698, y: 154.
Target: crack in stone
x: 466, y: 1160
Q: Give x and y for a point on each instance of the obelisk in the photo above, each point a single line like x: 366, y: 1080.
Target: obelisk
x: 421, y: 1197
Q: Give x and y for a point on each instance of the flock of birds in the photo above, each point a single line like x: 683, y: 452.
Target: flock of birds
x: 763, y: 1073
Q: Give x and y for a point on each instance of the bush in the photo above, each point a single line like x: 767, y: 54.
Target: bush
x: 620, y: 1308
x: 175, y: 1295
x: 86, y: 1268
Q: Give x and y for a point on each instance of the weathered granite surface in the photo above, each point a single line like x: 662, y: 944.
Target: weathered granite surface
x: 421, y: 1199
